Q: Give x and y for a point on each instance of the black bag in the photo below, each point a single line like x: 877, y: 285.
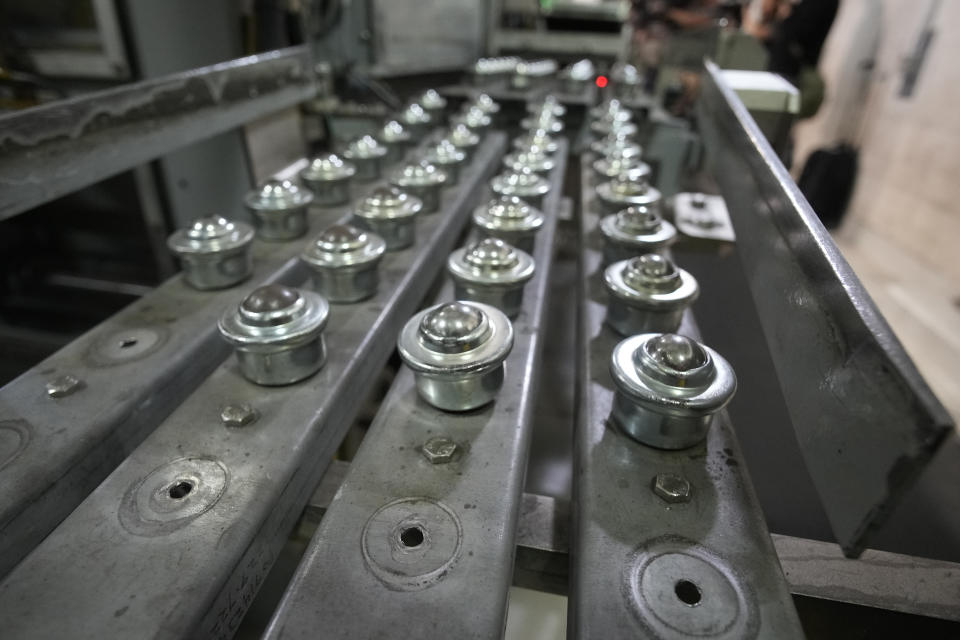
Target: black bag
x: 827, y: 181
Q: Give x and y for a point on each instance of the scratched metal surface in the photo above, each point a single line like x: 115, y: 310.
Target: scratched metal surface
x: 129, y: 563
x: 57, y: 148
x: 54, y: 452
x: 866, y: 421
x: 718, y: 540
x: 891, y: 581
x: 469, y: 507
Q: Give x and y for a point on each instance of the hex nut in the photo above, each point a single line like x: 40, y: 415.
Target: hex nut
x: 672, y: 487
x: 440, y: 450
x: 63, y: 386
x: 238, y: 415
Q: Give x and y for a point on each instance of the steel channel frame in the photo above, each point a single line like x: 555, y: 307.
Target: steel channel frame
x: 54, y: 149
x: 55, y: 451
x: 128, y: 562
x: 459, y: 588
x: 879, y: 579
x: 866, y: 421
x: 718, y: 540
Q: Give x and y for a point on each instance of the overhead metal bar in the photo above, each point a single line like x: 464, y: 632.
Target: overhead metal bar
x: 131, y: 371
x: 54, y: 149
x: 715, y: 544
x: 454, y: 582
x: 132, y: 561
x: 866, y: 421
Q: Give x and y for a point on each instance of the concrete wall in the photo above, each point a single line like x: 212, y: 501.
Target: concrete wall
x: 909, y: 183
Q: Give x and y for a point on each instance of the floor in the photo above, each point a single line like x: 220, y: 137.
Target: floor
x: 534, y: 615
x: 921, y: 304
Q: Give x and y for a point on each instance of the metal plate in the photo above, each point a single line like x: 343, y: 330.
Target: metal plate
x: 124, y: 571
x: 866, y: 421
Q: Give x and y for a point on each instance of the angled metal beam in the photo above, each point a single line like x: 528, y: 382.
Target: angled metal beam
x: 54, y: 149
x: 866, y: 421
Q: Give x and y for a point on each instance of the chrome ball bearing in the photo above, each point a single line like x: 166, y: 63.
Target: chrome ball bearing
x: 475, y: 119
x: 344, y: 262
x: 635, y: 231
x: 492, y: 272
x: 416, y: 119
x: 524, y: 184
x: 668, y: 387
x: 648, y: 293
x: 423, y: 180
x: 534, y: 159
x: 630, y: 188
x: 214, y: 252
x: 612, y: 165
x: 328, y: 177
x: 277, y: 332
x: 367, y: 155
x: 456, y: 351
x: 391, y: 214
x: 395, y: 137
x: 464, y: 138
x: 616, y: 144
x: 538, y: 139
x: 433, y: 103
x: 447, y: 157
x: 510, y: 219
x: 279, y: 209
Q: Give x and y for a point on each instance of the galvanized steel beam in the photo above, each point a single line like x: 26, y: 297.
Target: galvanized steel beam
x: 642, y: 566
x: 133, y: 561
x: 453, y: 583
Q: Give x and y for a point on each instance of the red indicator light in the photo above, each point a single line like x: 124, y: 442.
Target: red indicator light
x: 601, y: 81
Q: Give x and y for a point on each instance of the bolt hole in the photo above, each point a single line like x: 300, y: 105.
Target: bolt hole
x: 688, y: 592
x: 126, y: 343
x: 412, y: 537
x: 180, y: 489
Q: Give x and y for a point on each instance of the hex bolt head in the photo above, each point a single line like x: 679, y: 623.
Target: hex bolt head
x: 672, y: 487
x: 63, y: 386
x: 238, y: 415
x: 440, y: 450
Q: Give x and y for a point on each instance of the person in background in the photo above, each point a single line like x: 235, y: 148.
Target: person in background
x: 793, y: 32
x: 654, y: 21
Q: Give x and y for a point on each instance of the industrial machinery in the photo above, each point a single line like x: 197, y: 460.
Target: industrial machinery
x: 571, y: 364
